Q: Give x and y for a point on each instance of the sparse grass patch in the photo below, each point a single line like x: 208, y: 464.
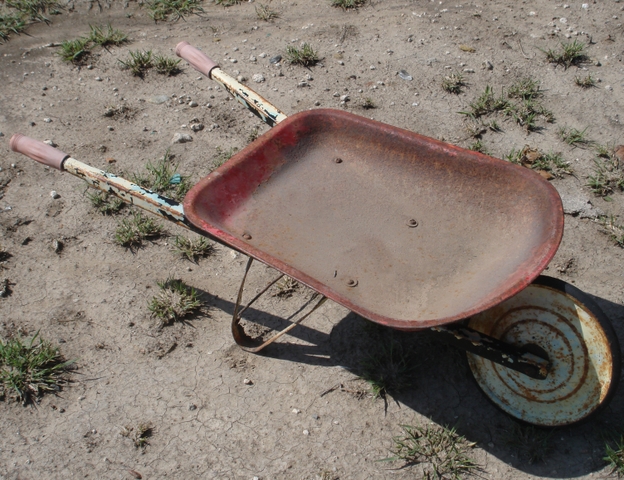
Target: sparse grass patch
x: 574, y: 137
x: 525, y: 89
x: 11, y: 23
x: 193, y: 250
x: 15, y: 14
x: 227, y: 3
x: 440, y: 451
x: 223, y: 156
x: 173, y: 10
x: 106, y: 36
x: 389, y: 369
x: 132, y: 231
x: 106, y: 203
x: 74, y: 51
x: 571, y: 53
x: 536, y: 160
x: 487, y: 103
x: 585, y: 82
x: 139, y: 434
x: 162, y: 177
x: 30, y: 368
x: 175, y: 301
x: 614, y: 229
x: 346, y: 4
x: 304, y: 55
x: 608, y: 175
x: 166, y: 65
x: 253, y: 135
x: 453, y: 83
x: 478, y: 146
x: 264, y: 12
x: 139, y: 63
x: 286, y: 287
x: 532, y: 444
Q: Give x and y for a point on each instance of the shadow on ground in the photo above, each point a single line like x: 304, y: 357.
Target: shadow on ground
x: 441, y: 387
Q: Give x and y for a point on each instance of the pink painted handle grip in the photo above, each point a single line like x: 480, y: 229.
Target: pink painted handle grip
x: 38, y: 151
x: 197, y: 59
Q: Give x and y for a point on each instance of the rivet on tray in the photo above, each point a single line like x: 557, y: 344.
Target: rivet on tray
x: 412, y: 223
x: 246, y: 236
x: 351, y: 282
x: 337, y: 160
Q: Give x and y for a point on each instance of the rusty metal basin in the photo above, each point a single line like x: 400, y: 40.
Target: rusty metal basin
x: 402, y: 229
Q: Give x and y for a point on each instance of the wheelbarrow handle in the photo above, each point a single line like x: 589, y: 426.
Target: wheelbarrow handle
x: 259, y: 106
x: 38, y: 151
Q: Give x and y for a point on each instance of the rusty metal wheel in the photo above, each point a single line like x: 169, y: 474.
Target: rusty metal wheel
x: 554, y: 318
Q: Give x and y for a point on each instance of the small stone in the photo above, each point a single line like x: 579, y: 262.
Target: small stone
x: 89, y: 67
x: 192, y: 407
x: 275, y: 59
x: 296, y: 411
x: 241, y: 78
x: 193, y: 104
x: 306, y: 432
x: 48, y: 142
x: 597, y: 63
x: 47, y: 120
x: 44, y: 88
x: 315, y: 417
x: 181, y: 138
x: 252, y: 58
x: 1, y: 134
x: 317, y: 103
x: 344, y: 98
x: 340, y: 62
x: 233, y: 60
x: 372, y: 67
x: 98, y: 79
x: 115, y: 89
x: 57, y: 246
x: 563, y: 20
x: 54, y: 194
x: 488, y: 65
x: 110, y: 128
x: 246, y: 381
x: 263, y: 55
x: 102, y: 148
x: 469, y: 70
x: 405, y: 76
x: 609, y: 88
x: 196, y: 127
x: 258, y: 78
x: 303, y: 84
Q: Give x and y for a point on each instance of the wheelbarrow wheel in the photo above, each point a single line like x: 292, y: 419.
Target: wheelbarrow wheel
x: 550, y: 317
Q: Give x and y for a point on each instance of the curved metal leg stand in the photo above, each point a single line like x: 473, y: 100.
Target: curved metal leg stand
x: 241, y: 338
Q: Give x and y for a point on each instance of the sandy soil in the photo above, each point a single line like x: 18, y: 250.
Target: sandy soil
x: 188, y: 379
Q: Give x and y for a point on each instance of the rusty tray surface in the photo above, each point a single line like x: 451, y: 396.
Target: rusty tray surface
x: 403, y: 229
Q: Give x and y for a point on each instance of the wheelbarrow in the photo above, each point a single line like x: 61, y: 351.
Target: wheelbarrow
x: 406, y: 231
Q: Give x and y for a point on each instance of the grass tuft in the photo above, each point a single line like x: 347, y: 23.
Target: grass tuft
x: 162, y: 177
x: 174, y: 302
x: 106, y: 36
x: 525, y: 89
x: 30, y: 368
x: 193, y: 250
x: 173, y: 10
x: 133, y: 231
x: 227, y: 3
x: 223, y: 156
x: 305, y: 55
x: 139, y: 63
x: 389, y: 369
x: 440, y: 451
x: 75, y: 51
x: 478, y: 146
x: 106, y: 203
x: 11, y: 23
x: 139, y: 434
x: 487, y: 103
x: 166, y: 65
x: 286, y: 287
x: 536, y: 160
x: 571, y: 53
x: 615, y: 456
x: 264, y: 12
x: 346, y: 4
x: 585, y: 82
x: 453, y: 83
x: 574, y: 137
x: 532, y: 444
x: 614, y: 229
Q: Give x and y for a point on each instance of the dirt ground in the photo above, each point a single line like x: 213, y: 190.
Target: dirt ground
x: 217, y: 411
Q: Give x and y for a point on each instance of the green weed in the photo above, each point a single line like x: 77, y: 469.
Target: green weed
x: 487, y: 103
x: 346, y: 4
x: 615, y: 455
x: 531, y: 444
x: 574, y: 137
x: 389, y: 369
x: 11, y: 23
x: 478, y: 146
x: 607, y: 177
x: 453, y: 83
x: 305, y: 55
x: 106, y: 203
x: 174, y: 302
x: 133, y: 231
x: 162, y: 177
x: 525, y: 89
x: 440, y: 451
x: 166, y: 65
x: 585, y: 82
x: 264, y: 12
x: 173, y: 10
x: 30, y: 368
x: 193, y: 250
x: 223, y: 156
x: 106, y: 36
x: 138, y: 63
x: 571, y: 53
x: 75, y: 51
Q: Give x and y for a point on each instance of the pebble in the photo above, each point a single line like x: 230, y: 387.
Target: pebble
x: 315, y: 417
x: 252, y: 58
x: 469, y: 70
x: 372, y: 67
x: 47, y: 120
x: 609, y: 88
x: 340, y: 62
x: 263, y: 55
x: 306, y: 432
x: 275, y: 59
x: 487, y: 64
x: 115, y: 89
x: 181, y: 138
x: 54, y: 194
x: 233, y: 60
x: 344, y: 98
x: 317, y: 103
x: 89, y: 67
x: 1, y: 134
x: 48, y: 142
x: 193, y: 104
x: 247, y: 382
x: 258, y: 78
x: 110, y: 128
x: 303, y: 84
x: 241, y: 78
x: 296, y: 410
x: 405, y: 76
x: 196, y: 127
x: 98, y: 79
x: 57, y: 245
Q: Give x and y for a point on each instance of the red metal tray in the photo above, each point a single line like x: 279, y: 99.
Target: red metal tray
x: 403, y: 229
